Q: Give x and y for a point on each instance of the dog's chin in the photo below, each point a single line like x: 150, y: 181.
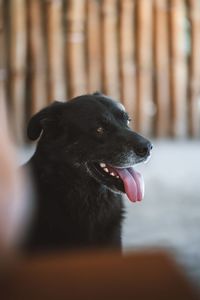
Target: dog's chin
x: 111, y: 182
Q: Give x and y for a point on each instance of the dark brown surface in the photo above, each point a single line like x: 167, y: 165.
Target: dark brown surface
x: 101, y: 275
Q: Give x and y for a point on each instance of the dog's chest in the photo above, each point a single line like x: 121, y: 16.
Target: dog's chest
x: 73, y: 215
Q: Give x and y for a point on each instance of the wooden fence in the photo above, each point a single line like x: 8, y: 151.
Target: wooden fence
x: 145, y: 53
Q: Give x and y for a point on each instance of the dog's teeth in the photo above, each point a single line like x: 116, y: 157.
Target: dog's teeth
x: 117, y: 176
x: 102, y: 165
x: 112, y: 174
x: 106, y: 170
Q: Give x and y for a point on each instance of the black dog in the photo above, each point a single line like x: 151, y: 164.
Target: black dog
x: 82, y: 165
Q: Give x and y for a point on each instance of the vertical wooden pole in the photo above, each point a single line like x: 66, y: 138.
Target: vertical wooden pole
x: 76, y: 47
x: 127, y: 59
x: 110, y: 64
x: 178, y: 68
x: 37, y: 57
x: 18, y: 64
x: 55, y: 34
x: 3, y: 71
x: 161, y: 60
x: 93, y: 46
x: 194, y: 70
x: 144, y: 55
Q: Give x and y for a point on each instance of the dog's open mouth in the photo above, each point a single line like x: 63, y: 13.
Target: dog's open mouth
x: 123, y: 179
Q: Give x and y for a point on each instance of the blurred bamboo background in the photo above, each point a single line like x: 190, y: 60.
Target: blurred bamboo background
x: 145, y: 53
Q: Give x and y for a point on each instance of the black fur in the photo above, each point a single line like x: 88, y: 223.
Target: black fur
x: 77, y: 206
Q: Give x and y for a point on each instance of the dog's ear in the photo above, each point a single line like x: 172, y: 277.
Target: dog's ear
x: 40, y: 120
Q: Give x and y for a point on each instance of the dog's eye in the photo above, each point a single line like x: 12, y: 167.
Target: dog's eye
x: 128, y: 121
x: 100, y: 130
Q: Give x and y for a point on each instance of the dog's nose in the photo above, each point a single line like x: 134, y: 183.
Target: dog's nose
x: 144, y: 149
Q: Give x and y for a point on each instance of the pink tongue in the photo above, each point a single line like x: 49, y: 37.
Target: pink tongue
x: 133, y: 183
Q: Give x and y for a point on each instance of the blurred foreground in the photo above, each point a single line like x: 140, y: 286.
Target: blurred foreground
x: 97, y: 275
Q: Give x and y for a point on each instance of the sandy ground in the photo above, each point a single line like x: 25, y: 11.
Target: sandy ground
x: 169, y: 215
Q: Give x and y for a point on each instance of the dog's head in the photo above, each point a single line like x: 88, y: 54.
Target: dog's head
x: 92, y: 133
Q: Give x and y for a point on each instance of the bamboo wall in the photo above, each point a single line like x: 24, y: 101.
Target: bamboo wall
x: 144, y: 52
